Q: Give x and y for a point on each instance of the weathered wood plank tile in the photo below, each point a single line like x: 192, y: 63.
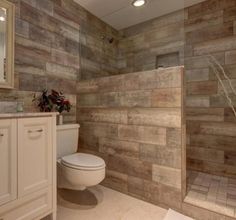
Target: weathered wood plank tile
x: 130, y: 166
x: 118, y: 147
x: 166, y: 98
x: 116, y: 180
x: 104, y: 115
x: 160, y: 155
x: 142, y: 134
x: 205, y: 114
x: 202, y: 88
x: 167, y: 176
x: 162, y: 117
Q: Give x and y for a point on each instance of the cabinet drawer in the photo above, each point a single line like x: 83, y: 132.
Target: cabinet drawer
x: 31, y: 207
x: 34, y: 154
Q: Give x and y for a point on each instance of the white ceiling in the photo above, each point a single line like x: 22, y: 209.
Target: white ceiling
x: 121, y: 14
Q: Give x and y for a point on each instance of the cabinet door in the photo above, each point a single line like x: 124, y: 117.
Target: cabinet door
x: 34, y: 154
x: 8, y: 160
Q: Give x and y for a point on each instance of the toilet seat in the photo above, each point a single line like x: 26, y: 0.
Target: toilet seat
x: 82, y: 161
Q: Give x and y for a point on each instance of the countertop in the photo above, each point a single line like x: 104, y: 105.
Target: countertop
x: 27, y: 114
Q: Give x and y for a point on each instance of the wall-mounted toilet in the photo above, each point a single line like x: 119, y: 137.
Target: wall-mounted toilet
x: 76, y: 170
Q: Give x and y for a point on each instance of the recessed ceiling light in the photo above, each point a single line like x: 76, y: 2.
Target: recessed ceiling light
x: 2, y: 18
x: 139, y: 3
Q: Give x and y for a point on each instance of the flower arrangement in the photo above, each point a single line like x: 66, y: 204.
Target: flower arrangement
x: 54, y: 101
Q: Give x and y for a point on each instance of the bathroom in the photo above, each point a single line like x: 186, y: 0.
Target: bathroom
x: 118, y: 110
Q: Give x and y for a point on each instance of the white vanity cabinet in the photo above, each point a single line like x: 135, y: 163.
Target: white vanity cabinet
x: 27, y: 166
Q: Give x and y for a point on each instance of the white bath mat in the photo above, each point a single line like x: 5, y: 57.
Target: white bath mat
x: 173, y: 215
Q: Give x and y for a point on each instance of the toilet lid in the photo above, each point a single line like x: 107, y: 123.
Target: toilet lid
x: 83, y: 161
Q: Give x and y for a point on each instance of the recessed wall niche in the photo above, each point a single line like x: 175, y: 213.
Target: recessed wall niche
x: 167, y: 60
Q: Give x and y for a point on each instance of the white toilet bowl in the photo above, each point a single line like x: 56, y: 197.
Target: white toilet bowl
x: 76, y: 171
x: 79, y: 171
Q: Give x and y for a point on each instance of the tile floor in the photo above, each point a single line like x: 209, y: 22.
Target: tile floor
x: 101, y: 203
x: 215, y: 193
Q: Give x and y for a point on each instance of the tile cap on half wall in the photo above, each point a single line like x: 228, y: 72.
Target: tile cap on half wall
x: 173, y: 215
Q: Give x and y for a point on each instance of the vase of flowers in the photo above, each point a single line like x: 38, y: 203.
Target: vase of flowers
x: 55, y: 101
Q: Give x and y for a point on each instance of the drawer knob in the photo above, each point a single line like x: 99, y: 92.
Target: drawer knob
x: 1, y: 135
x: 35, y: 131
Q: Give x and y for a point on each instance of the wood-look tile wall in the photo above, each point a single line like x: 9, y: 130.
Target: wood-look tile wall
x: 134, y: 121
x: 205, y: 28
x: 57, y: 42
x: 211, y: 125
x: 140, y: 45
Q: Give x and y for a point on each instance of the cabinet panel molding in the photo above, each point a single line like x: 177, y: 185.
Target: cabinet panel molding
x: 34, y: 154
x: 8, y: 160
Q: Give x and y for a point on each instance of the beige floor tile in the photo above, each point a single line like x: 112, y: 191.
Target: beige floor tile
x: 101, y: 203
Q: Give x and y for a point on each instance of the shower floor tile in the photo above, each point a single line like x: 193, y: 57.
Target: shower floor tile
x: 216, y: 193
